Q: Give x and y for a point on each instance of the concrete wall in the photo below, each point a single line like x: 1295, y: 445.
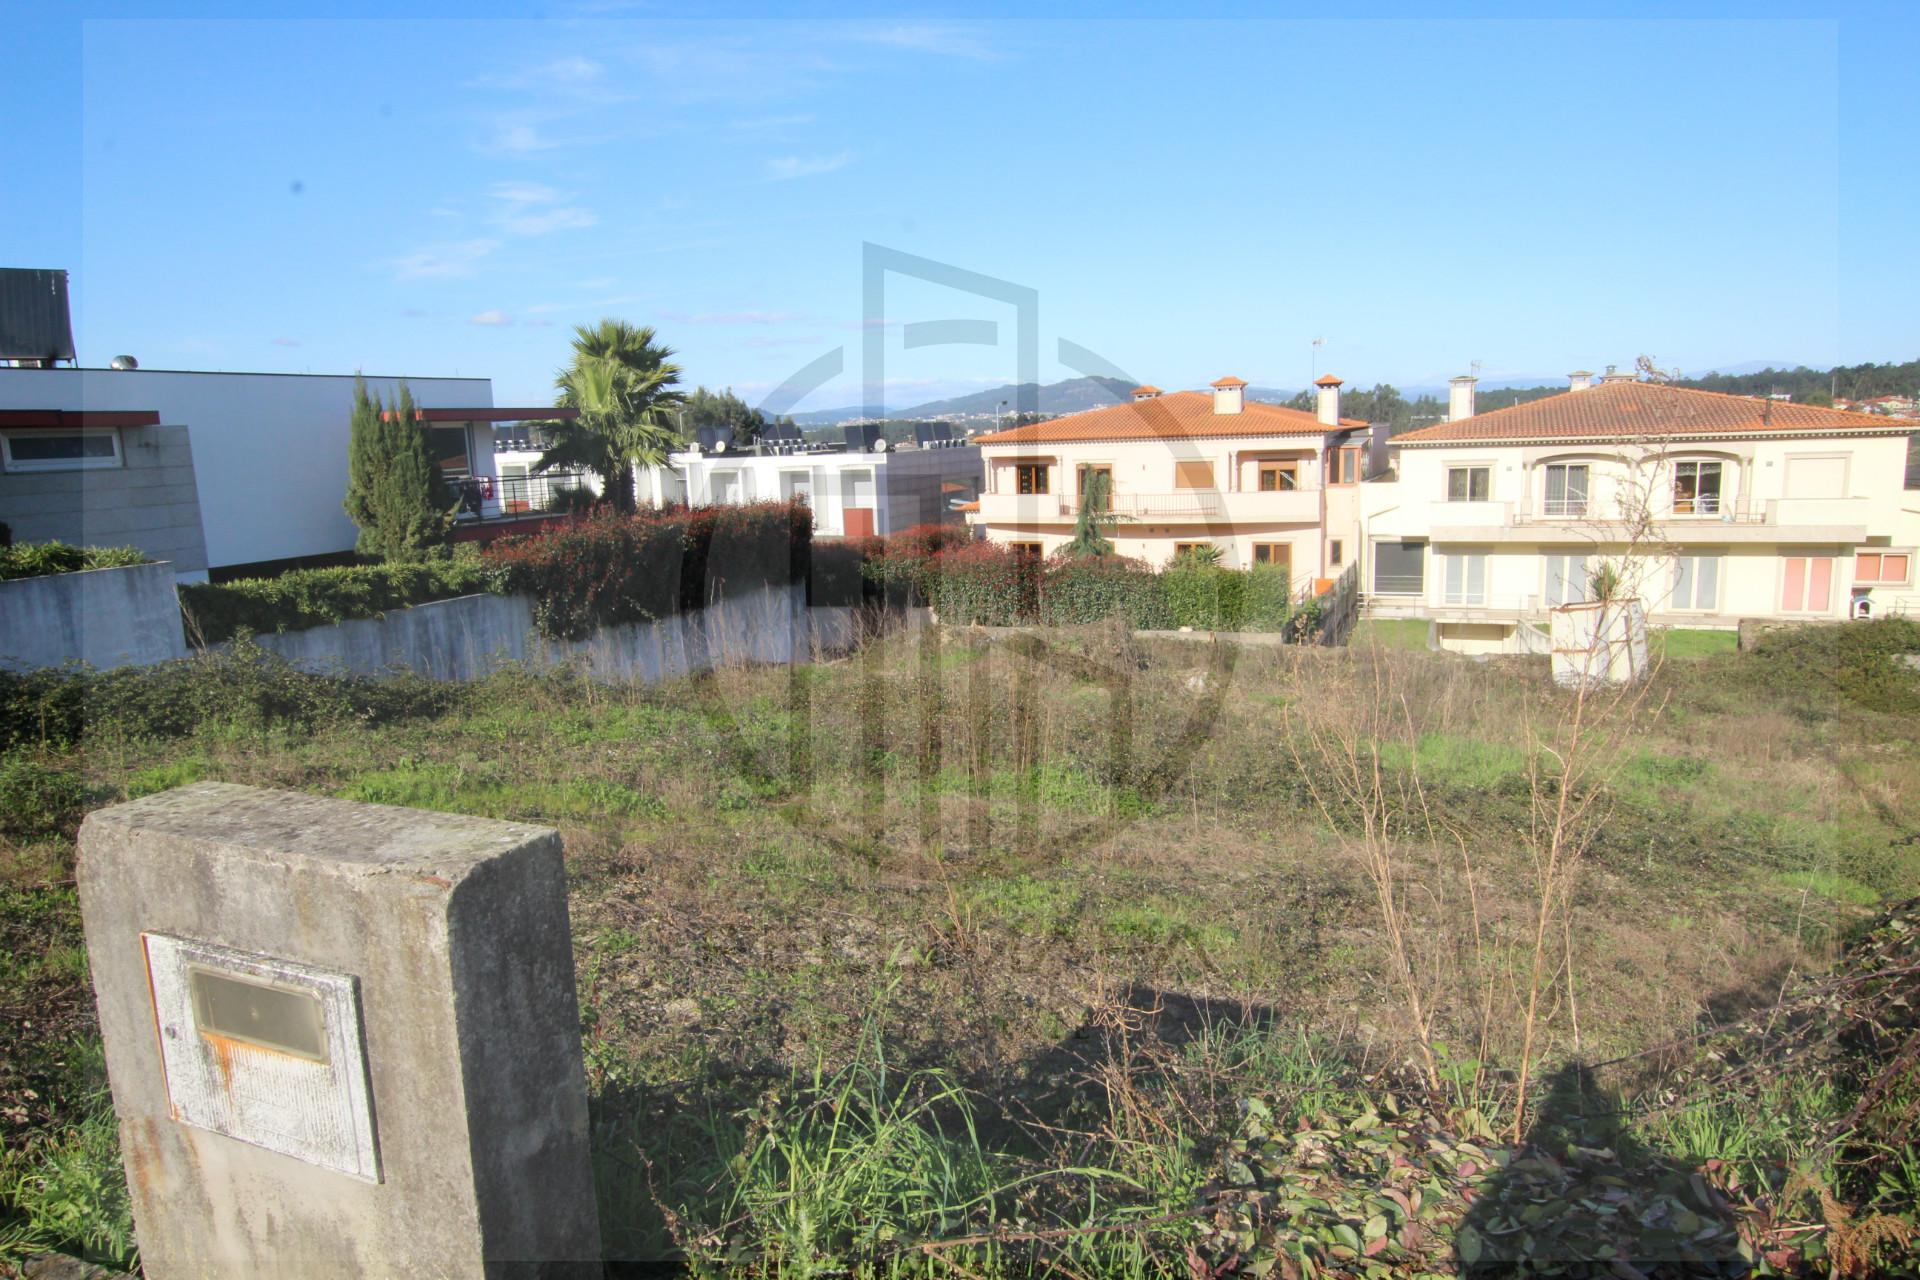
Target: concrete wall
x: 151, y: 501
x: 473, y: 636
x: 103, y: 617
x: 269, y: 449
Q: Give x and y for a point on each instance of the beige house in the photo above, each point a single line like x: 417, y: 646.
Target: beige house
x: 1263, y: 484
x: 1711, y: 508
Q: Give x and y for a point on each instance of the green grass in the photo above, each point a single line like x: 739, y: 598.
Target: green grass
x: 1456, y: 760
x: 1390, y: 633
x: 1691, y: 642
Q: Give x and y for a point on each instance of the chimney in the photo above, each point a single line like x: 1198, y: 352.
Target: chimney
x: 1328, y: 399
x: 1460, y: 397
x: 1145, y: 391
x: 1614, y: 375
x: 1228, y: 395
x: 1579, y: 379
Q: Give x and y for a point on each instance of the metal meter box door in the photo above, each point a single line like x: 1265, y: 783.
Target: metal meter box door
x: 266, y: 1051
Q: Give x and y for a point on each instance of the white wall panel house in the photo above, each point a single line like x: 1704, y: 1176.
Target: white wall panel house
x: 268, y: 450
x: 1714, y: 508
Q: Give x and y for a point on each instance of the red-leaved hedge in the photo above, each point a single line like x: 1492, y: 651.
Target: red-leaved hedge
x: 608, y: 568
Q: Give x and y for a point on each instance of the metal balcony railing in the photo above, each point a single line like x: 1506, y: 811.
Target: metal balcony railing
x: 485, y: 498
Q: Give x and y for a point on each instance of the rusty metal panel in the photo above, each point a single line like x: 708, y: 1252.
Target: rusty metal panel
x: 265, y: 1051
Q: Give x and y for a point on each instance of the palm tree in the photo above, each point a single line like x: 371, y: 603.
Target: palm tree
x: 622, y: 381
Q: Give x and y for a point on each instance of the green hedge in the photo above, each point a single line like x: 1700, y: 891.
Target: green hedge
x: 40, y: 559
x: 986, y: 583
x: 306, y: 598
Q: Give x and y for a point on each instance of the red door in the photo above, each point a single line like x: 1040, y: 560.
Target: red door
x: 859, y: 522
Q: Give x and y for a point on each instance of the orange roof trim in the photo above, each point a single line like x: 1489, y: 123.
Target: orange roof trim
x: 1230, y: 382
x: 1180, y: 415
x: 1327, y: 380
x: 1633, y: 410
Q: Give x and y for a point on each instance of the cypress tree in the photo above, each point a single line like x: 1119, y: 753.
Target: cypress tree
x: 395, y: 493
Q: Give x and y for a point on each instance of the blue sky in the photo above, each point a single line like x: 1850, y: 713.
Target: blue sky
x: 1186, y: 196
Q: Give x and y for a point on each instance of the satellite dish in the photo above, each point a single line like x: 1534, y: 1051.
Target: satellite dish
x: 881, y: 445
x: 124, y: 363
x: 719, y: 446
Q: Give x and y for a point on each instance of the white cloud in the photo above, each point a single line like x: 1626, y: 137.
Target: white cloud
x: 783, y: 168
x: 492, y: 318
x: 443, y: 261
x: 520, y: 140
x: 534, y: 209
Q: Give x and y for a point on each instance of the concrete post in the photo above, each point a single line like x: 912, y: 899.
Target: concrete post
x: 342, y: 1038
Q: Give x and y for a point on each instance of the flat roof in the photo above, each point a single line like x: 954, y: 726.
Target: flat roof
x: 75, y: 419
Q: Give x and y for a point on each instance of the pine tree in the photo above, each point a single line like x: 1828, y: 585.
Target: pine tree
x: 395, y: 493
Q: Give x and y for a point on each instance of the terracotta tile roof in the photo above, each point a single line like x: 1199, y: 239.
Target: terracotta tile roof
x: 1632, y: 410
x: 1179, y: 415
x: 1145, y: 389
x: 1229, y: 381
x: 1327, y: 380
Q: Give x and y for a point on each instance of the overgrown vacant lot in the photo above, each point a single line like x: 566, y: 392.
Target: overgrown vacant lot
x: 1013, y: 944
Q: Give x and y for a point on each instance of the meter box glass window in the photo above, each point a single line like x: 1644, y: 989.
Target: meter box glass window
x: 264, y: 1050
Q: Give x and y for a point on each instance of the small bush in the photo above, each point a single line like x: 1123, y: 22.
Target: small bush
x: 39, y: 559
x: 1205, y: 597
x: 1855, y: 660
x: 36, y: 799
x: 306, y: 598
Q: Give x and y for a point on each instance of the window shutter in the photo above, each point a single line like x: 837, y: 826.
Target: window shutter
x: 1193, y: 475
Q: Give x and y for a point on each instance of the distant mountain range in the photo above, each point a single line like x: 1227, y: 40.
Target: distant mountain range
x: 1070, y: 396
x: 1076, y: 394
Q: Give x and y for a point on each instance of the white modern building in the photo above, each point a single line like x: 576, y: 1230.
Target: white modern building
x: 214, y: 470
x: 852, y: 492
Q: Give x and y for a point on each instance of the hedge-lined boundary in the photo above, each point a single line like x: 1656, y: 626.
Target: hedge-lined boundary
x: 303, y: 598
x: 609, y: 569
x: 44, y: 559
x: 989, y: 584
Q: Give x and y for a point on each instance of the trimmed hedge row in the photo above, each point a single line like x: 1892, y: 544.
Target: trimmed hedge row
x: 608, y: 568
x: 305, y: 598
x: 989, y: 584
x: 41, y: 559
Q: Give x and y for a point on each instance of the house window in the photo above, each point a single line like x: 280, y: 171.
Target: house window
x: 449, y: 448
x: 1279, y: 477
x: 1466, y: 578
x: 1336, y: 552
x: 1188, y: 548
x: 1806, y: 584
x: 1568, y: 581
x: 1085, y: 474
x: 1469, y: 484
x: 1193, y: 475
x: 1882, y: 568
x: 1343, y: 465
x: 59, y: 450
x: 1026, y: 550
x: 1696, y: 488
x: 1030, y: 477
x: 1696, y: 583
x: 1566, y: 489
x: 1278, y: 555
x: 1399, y: 568
x: 1814, y: 475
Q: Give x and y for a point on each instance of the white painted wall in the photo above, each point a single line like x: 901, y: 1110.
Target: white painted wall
x: 269, y: 449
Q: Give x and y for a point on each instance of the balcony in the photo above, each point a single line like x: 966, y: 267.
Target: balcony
x: 1211, y: 506
x: 1837, y: 520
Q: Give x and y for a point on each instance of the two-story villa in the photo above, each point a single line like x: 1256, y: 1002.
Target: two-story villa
x: 1712, y: 507
x: 1263, y: 484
